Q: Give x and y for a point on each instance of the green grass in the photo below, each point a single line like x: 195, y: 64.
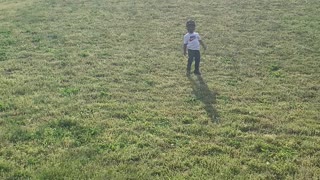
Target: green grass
x: 94, y: 89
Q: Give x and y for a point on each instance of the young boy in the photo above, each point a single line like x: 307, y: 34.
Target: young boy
x: 192, y: 42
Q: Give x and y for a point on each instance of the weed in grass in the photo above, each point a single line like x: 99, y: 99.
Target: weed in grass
x: 4, y: 167
x: 3, y: 106
x: 17, y: 134
x: 275, y: 68
x: 65, y: 132
x: 3, y: 55
x: 69, y: 91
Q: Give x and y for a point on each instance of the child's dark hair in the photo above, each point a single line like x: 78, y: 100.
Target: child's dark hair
x: 190, y: 23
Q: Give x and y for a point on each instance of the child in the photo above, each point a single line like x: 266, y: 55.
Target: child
x: 192, y: 42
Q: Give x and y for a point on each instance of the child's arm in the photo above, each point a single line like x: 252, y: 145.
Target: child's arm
x: 185, y: 49
x: 203, y: 45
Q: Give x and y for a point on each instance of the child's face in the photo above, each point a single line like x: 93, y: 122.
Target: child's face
x: 191, y: 28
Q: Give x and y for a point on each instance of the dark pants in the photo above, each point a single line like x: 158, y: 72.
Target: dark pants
x: 193, y: 54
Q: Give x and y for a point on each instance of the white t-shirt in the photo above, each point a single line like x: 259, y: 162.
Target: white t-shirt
x: 192, y: 41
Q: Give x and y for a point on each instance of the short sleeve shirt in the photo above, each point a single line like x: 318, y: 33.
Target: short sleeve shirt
x: 192, y: 41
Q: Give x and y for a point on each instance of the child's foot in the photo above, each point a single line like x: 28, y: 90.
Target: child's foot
x: 197, y: 73
x: 188, y: 73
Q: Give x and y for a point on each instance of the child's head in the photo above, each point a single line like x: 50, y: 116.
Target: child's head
x: 191, y: 26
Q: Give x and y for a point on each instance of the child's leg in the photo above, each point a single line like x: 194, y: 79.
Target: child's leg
x: 190, y: 60
x: 197, y: 62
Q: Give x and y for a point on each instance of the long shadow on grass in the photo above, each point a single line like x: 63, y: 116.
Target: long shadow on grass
x: 207, y: 97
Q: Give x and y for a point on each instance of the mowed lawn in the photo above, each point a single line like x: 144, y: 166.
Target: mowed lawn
x: 96, y: 89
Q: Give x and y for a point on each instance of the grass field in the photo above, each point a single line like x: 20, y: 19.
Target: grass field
x: 96, y: 89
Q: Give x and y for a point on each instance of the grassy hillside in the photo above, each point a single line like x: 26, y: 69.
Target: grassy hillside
x: 96, y: 89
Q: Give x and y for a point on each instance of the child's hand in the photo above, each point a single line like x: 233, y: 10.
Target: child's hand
x: 185, y: 53
x: 203, y: 45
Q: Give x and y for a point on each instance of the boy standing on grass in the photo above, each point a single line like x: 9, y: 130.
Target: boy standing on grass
x: 192, y: 42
